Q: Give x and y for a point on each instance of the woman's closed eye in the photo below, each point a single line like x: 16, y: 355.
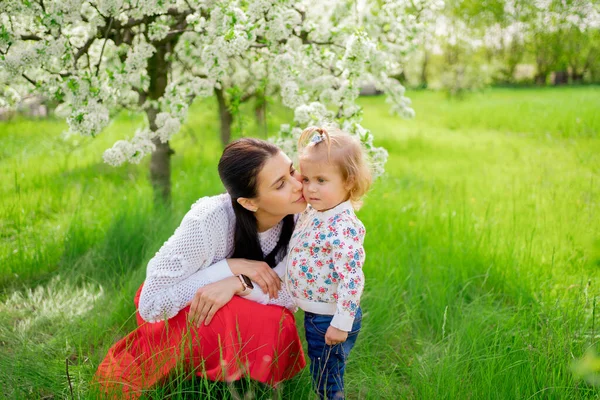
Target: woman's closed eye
x: 282, y: 184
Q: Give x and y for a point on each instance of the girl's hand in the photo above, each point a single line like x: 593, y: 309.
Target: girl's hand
x: 335, y: 336
x: 210, y: 298
x: 259, y: 272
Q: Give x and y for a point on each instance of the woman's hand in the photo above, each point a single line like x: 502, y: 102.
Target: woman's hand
x: 210, y: 298
x: 334, y: 336
x: 259, y: 272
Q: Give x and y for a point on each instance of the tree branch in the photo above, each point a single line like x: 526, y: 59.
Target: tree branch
x: 302, y: 13
x: 131, y: 23
x: 96, y: 8
x: 83, y: 49
x: 173, y: 33
x: 340, y: 112
x: 6, y: 51
x: 34, y: 83
x: 186, y: 67
x: 189, y: 5
x: 176, y: 13
x: 247, y: 97
x: 61, y: 74
x: 31, y: 37
x: 330, y: 69
x: 104, y: 45
x: 323, y: 43
x: 304, y: 37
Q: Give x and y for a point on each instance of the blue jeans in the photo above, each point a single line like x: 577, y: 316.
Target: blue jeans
x: 328, y: 363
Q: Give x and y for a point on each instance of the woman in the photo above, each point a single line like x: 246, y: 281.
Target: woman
x: 188, y: 313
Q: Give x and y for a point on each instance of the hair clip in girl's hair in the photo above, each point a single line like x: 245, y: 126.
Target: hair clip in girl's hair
x: 318, y: 138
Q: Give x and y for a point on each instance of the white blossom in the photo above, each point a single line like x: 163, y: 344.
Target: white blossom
x: 131, y: 151
x: 281, y: 24
x: 10, y: 97
x: 358, y: 52
x: 167, y: 126
x: 158, y: 30
x: 310, y: 55
x: 110, y: 7
x: 201, y: 87
x: 312, y: 114
x: 197, y: 21
x: 90, y: 119
x: 135, y: 65
x: 258, y: 8
x: 119, y: 153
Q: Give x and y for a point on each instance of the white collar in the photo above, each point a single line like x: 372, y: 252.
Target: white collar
x: 340, y: 208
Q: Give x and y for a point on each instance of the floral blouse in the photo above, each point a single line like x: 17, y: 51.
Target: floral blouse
x: 324, y: 266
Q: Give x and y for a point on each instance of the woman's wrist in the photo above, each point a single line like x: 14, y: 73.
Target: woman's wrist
x: 234, y: 265
x: 239, y: 286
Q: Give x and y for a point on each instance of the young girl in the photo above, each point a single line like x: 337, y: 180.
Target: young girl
x: 324, y: 267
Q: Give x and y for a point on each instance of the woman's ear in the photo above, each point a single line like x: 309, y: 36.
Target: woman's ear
x: 248, y: 204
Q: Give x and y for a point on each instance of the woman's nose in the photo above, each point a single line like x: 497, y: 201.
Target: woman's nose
x: 297, y: 184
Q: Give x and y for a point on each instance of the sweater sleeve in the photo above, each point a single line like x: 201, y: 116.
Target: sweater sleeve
x: 283, y: 299
x: 185, y: 263
x: 349, y: 255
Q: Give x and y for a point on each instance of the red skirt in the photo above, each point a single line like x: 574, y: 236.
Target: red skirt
x: 243, y: 339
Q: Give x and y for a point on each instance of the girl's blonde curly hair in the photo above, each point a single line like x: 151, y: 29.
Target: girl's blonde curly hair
x: 336, y: 147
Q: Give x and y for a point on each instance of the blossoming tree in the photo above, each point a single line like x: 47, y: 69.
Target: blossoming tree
x: 96, y: 57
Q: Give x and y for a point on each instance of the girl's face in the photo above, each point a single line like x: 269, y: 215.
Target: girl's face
x: 324, y: 186
x: 279, y: 188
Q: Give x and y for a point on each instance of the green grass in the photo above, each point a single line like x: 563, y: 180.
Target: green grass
x: 483, y: 248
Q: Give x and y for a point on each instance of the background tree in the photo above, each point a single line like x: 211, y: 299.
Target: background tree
x: 505, y: 42
x: 580, y: 44
x: 98, y: 57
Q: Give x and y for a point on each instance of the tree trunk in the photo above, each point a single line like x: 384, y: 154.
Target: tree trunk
x: 541, y: 78
x: 577, y: 75
x: 561, y: 77
x: 423, y: 83
x: 577, y: 78
x: 514, y: 57
x: 260, y: 111
x: 225, y: 116
x: 160, y: 170
x: 542, y: 67
x: 160, y: 163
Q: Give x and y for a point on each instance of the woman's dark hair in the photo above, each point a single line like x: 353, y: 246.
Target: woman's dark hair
x: 239, y: 166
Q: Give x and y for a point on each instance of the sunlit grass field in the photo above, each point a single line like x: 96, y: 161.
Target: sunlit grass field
x: 483, y: 248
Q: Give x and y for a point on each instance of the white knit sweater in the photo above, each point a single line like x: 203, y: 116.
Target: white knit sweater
x: 195, y: 256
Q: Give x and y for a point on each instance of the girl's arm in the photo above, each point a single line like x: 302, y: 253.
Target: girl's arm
x: 283, y: 298
x: 349, y: 256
